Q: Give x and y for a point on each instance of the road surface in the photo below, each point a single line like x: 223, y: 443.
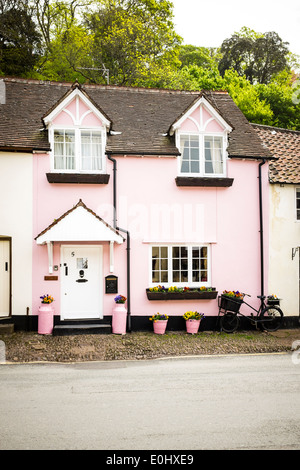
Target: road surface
x: 210, y: 402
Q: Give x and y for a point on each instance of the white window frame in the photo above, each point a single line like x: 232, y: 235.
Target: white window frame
x: 78, y: 159
x: 201, y: 136
x: 297, y: 196
x: 189, y: 283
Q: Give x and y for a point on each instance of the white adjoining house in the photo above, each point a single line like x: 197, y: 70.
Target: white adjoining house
x: 284, y: 222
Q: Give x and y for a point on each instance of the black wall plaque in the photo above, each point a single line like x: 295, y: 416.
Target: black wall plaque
x: 111, y: 285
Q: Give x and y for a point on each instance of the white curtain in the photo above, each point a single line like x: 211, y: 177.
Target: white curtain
x: 213, y: 155
x: 64, y: 149
x: 91, y: 150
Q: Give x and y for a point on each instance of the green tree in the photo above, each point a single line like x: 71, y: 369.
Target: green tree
x: 254, y: 55
x: 205, y: 57
x: 67, y: 44
x: 247, y: 98
x: 282, y: 95
x: 20, y: 42
x: 134, y: 39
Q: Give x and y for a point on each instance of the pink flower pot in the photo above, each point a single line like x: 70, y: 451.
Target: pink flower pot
x: 45, y: 320
x: 119, y: 317
x: 192, y: 326
x: 160, y: 326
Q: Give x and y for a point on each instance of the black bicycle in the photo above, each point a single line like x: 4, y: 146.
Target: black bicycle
x: 268, y: 317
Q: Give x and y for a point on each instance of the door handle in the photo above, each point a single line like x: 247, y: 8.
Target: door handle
x: 6, y: 266
x: 66, y: 270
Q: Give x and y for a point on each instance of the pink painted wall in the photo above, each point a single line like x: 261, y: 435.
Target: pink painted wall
x: 154, y: 209
x: 227, y: 217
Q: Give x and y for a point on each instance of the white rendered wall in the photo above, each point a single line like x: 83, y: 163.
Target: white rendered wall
x: 284, y: 236
x: 16, y: 189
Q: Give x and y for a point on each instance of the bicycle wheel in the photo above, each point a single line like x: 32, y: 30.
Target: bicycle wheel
x: 230, y: 322
x: 271, y: 318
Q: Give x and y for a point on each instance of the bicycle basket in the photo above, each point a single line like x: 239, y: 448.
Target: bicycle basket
x: 230, y: 303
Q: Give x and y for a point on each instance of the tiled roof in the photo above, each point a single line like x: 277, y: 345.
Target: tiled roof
x: 141, y: 117
x: 285, y: 145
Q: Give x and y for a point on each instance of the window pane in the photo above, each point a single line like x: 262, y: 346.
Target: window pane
x: 164, y: 252
x: 213, y: 154
x: 175, y: 264
x: 194, y: 167
x: 155, y: 251
x: 91, y: 150
x: 199, y: 264
x: 204, y: 252
x: 164, y: 264
x: 184, y: 276
x: 183, y: 251
x: 159, y: 264
x: 185, y: 167
x: 64, y: 149
x: 189, y: 149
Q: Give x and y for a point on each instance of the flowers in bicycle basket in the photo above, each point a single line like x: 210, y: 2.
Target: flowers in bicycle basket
x: 233, y: 294
x: 272, y: 297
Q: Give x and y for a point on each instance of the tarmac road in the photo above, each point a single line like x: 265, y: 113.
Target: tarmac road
x: 208, y: 402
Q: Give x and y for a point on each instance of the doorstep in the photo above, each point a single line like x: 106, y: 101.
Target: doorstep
x: 81, y: 327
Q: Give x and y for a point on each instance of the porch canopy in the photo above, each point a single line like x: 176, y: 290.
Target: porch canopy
x: 79, y: 224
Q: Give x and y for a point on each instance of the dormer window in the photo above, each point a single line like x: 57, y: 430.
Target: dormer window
x: 77, y: 130
x: 201, y: 136
x: 201, y: 155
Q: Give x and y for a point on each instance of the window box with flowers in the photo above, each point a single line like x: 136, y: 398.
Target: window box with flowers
x: 181, y: 293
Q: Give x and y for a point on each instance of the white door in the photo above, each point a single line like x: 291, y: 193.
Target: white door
x: 81, y: 282
x: 4, y: 277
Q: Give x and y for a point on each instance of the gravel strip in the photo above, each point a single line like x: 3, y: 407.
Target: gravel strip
x: 32, y: 347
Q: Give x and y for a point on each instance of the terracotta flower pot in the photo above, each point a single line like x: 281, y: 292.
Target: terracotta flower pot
x: 160, y: 326
x: 192, y: 326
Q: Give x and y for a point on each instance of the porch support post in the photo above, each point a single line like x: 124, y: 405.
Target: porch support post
x: 111, y: 256
x: 50, y: 256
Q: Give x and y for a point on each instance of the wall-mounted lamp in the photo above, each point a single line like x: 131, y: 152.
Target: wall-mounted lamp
x: 294, y: 251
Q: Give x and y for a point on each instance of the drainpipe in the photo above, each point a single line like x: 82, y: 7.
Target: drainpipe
x: 128, y: 278
x: 114, y: 188
x: 128, y: 238
x: 261, y: 231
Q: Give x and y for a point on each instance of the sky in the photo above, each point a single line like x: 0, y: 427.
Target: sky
x: 208, y: 23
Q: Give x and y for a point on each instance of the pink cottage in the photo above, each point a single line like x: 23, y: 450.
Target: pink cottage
x: 133, y: 189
